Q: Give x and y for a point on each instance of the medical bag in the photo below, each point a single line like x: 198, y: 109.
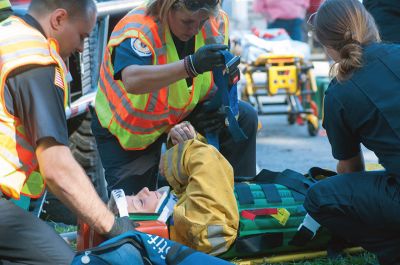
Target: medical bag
x: 271, y: 212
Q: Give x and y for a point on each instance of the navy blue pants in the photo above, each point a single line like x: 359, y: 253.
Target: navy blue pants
x: 294, y: 27
x: 133, y: 170
x: 363, y: 208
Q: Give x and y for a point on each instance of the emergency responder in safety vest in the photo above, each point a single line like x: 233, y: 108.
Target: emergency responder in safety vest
x: 5, y: 9
x: 361, y: 107
x: 33, y: 131
x: 156, y: 73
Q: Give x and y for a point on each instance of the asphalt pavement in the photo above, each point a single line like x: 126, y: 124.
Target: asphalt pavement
x: 281, y: 146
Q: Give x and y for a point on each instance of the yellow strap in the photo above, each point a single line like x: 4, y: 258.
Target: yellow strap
x: 5, y: 4
x: 282, y: 216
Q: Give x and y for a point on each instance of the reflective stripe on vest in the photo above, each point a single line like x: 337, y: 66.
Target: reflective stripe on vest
x: 138, y: 120
x: 4, y: 4
x: 21, y: 45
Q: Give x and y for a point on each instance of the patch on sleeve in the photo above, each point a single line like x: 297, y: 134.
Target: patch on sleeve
x: 140, y: 48
x: 58, y: 80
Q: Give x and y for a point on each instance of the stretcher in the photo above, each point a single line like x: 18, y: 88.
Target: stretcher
x: 87, y: 238
x: 280, y: 69
x: 273, y: 226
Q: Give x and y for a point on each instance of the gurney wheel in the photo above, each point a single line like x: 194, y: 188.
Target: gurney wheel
x: 291, y: 118
x: 312, y: 130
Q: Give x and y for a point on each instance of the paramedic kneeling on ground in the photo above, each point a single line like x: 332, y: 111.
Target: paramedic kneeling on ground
x: 361, y: 107
x: 156, y: 73
x: 33, y: 131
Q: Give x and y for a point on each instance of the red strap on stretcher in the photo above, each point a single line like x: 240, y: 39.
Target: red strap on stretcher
x: 251, y: 214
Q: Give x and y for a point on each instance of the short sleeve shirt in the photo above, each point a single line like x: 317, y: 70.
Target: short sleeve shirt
x: 365, y: 108
x: 133, y: 52
x: 125, y: 55
x: 32, y: 95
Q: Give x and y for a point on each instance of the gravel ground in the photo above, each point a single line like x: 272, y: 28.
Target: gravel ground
x: 281, y: 146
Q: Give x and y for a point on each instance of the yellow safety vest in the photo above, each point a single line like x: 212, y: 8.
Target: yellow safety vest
x: 5, y: 4
x: 138, y: 120
x: 22, y: 45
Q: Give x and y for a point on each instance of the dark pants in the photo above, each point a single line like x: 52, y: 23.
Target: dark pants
x: 133, y: 170
x: 294, y: 27
x: 363, y: 208
x: 25, y: 239
x: 242, y: 155
x: 125, y: 169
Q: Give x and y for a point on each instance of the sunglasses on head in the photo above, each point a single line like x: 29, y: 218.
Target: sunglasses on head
x: 194, y: 5
x: 311, y: 20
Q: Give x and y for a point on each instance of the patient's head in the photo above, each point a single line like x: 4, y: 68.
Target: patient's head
x: 145, y: 201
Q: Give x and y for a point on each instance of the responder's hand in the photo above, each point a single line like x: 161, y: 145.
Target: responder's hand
x: 120, y: 226
x: 181, y: 132
x: 208, y: 57
x: 207, y: 122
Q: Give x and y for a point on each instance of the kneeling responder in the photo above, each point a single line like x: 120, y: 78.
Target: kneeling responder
x: 156, y: 71
x: 361, y: 106
x: 33, y: 131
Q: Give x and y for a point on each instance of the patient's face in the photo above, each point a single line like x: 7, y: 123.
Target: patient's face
x: 145, y: 201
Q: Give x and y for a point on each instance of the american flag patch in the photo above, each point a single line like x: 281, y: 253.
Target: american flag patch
x: 58, y: 80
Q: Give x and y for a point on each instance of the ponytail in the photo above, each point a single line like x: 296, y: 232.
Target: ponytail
x: 350, y: 57
x: 346, y: 27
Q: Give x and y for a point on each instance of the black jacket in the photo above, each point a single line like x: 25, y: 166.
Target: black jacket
x: 387, y: 16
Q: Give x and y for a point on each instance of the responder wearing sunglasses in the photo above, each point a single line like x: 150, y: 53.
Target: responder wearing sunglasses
x: 159, y: 63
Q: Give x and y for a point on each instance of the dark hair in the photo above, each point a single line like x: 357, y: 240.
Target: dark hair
x: 345, y: 26
x: 73, y: 7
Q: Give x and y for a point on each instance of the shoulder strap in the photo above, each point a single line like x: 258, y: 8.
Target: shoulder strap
x: 107, y: 247
x: 244, y: 194
x: 289, y: 178
x: 271, y: 193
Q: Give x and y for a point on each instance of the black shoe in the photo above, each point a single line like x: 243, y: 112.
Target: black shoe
x: 336, y: 246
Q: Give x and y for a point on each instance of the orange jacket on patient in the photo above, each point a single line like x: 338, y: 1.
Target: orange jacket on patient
x: 206, y: 215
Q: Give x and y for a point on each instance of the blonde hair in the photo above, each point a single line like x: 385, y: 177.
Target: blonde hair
x: 159, y: 9
x: 345, y: 26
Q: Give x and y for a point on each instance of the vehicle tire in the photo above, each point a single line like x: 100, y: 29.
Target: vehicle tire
x: 291, y: 118
x: 83, y: 148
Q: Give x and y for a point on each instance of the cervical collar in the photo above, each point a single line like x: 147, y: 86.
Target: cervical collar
x: 164, y: 198
x: 118, y: 203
